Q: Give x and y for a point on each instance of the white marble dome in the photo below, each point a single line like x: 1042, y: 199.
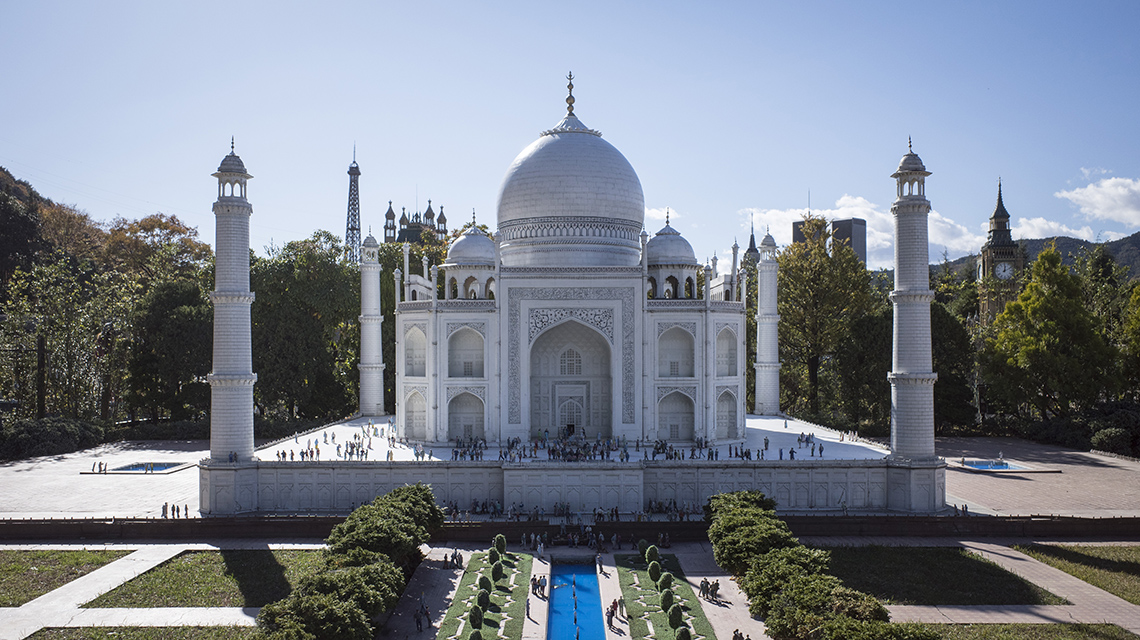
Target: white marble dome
x: 570, y: 198
x: 473, y: 248
x: 669, y: 247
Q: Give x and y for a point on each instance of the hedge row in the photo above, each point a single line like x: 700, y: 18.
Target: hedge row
x: 787, y: 584
x: 367, y: 563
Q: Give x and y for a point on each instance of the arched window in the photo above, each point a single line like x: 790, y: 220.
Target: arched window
x: 571, y: 363
x: 726, y: 354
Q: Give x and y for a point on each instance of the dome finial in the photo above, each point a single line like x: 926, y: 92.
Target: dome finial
x: 231, y: 145
x: 666, y: 216
x: 472, y: 216
x: 570, y: 97
x: 909, y: 148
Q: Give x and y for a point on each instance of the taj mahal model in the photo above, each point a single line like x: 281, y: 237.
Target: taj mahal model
x: 571, y: 323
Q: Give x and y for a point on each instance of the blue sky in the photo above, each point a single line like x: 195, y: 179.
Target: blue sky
x: 728, y: 111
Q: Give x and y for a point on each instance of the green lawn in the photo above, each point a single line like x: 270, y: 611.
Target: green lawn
x: 27, y: 575
x: 1116, y: 569
x: 147, y: 633
x: 508, y: 601
x: 932, y: 576
x: 643, y: 602
x: 1033, y: 632
x: 228, y: 578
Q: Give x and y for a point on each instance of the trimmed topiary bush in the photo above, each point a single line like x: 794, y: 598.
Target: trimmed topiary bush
x: 475, y: 635
x: 667, y: 600
x: 654, y: 571
x: 676, y: 616
x: 501, y: 543
x: 475, y: 617
x: 802, y: 606
x: 642, y: 545
x: 483, y: 599
x: 486, y: 584
x: 683, y: 633
x: 858, y: 605
x: 652, y: 554
x: 493, y: 555
x: 738, y: 536
x: 497, y: 571
x: 665, y: 581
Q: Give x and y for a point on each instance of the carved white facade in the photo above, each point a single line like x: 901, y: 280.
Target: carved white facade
x: 570, y: 320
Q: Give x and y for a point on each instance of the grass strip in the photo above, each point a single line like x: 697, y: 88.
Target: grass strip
x: 1116, y: 569
x: 27, y: 575
x: 1032, y: 632
x: 508, y: 601
x: 147, y: 633
x: 643, y: 601
x: 226, y: 578
x: 933, y: 576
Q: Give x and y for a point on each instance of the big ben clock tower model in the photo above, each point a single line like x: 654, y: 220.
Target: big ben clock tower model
x: 1000, y: 262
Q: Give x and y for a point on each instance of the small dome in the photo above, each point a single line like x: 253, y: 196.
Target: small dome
x: 473, y: 248
x: 768, y: 241
x: 668, y: 247
x: 911, y: 162
x: 370, y: 242
x: 231, y: 164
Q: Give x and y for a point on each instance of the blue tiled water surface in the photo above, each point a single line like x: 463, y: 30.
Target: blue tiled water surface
x: 568, y: 580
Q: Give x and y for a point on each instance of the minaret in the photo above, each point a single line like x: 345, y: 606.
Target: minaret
x: 371, y: 320
x: 231, y: 382
x: 767, y: 363
x: 352, y: 228
x: 390, y: 224
x: 912, y: 377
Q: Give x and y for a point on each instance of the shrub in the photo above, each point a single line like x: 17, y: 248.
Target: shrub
x: 486, y: 584
x: 642, y: 545
x: 475, y: 617
x: 497, y: 572
x: 1113, y: 440
x: 803, y: 605
x: 317, y: 615
x: 475, y: 635
x: 667, y: 600
x: 739, y: 536
x: 665, y: 582
x: 654, y: 571
x: 652, y: 554
x: 483, y: 599
x: 47, y: 437
x: 493, y: 555
x: 372, y: 589
x: 858, y: 605
x: 501, y: 543
x: 725, y: 502
x: 683, y: 633
x: 676, y: 616
x: 769, y: 572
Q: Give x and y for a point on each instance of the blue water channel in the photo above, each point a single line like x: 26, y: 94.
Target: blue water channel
x: 568, y: 580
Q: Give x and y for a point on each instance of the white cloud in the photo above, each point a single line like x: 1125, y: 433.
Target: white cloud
x: 945, y: 234
x: 1096, y: 171
x: 659, y: 214
x: 1115, y: 199
x: 1042, y: 228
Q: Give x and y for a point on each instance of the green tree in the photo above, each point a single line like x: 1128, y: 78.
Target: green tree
x: 823, y: 287
x: 158, y: 247
x: 171, y: 351
x: 1047, y: 351
x: 305, y: 339
x: 1131, y: 343
x: 19, y: 226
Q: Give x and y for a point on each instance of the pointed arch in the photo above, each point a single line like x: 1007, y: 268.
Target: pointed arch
x: 675, y: 350
x: 465, y: 417
x: 726, y: 416
x: 415, y: 353
x: 415, y: 417
x: 676, y: 416
x: 726, y: 365
x: 465, y: 354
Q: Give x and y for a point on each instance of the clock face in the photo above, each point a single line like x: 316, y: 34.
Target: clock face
x: 1004, y: 270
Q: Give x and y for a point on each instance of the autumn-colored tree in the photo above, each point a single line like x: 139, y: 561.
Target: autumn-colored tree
x: 134, y: 245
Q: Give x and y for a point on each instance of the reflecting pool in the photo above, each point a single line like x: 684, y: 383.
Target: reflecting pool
x: 575, y: 603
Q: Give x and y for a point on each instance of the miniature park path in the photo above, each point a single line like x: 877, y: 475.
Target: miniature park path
x: 435, y: 585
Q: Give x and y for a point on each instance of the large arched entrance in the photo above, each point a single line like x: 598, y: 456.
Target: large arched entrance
x: 415, y: 418
x: 726, y: 416
x: 570, y: 382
